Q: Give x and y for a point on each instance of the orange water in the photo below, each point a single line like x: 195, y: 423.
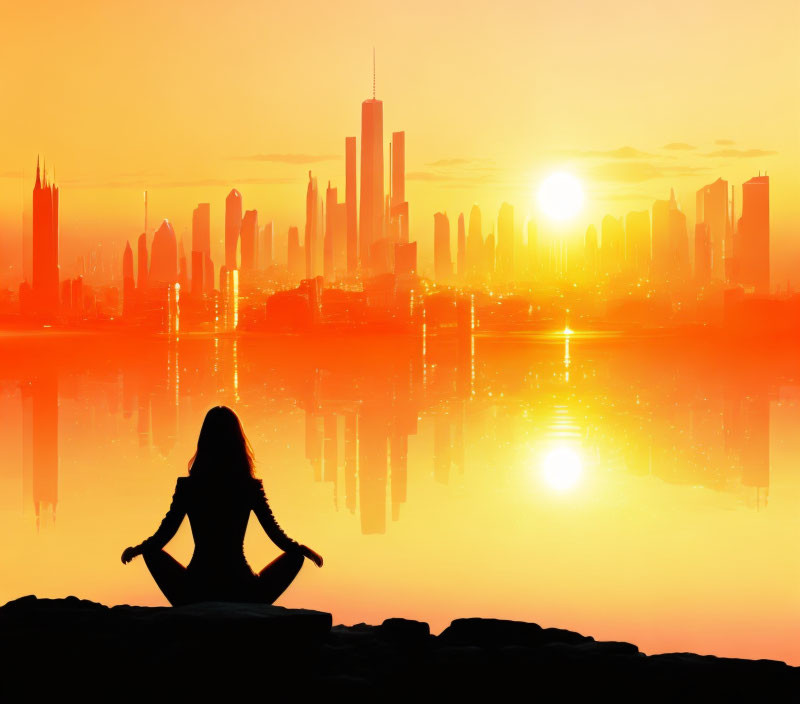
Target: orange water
x: 640, y: 489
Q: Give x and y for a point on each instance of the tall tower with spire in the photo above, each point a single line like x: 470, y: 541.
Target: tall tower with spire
x: 371, y: 202
x: 45, y: 245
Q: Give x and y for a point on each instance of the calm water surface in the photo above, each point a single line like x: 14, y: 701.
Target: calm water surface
x: 641, y: 489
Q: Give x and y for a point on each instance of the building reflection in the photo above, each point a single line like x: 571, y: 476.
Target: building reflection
x: 459, y: 405
x: 747, y: 438
x: 40, y: 444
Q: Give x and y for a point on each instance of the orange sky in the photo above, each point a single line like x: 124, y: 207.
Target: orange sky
x: 180, y: 97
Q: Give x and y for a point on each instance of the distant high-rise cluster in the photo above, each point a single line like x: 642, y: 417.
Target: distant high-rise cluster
x: 643, y: 246
x: 655, y: 246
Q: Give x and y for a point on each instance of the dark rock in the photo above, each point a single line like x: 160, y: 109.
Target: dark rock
x: 493, y: 632
x: 208, y: 618
x: 406, y: 631
x: 67, y: 647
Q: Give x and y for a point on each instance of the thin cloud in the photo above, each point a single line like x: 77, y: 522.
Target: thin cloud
x: 620, y: 153
x: 638, y: 171
x: 626, y: 197
x: 451, y: 180
x: 678, y: 146
x: 290, y: 158
x: 440, y: 177
x: 460, y: 161
x: 741, y: 153
x: 178, y: 184
x: 426, y: 176
x: 225, y: 182
x: 724, y: 142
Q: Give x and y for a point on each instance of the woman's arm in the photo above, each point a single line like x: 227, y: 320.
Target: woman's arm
x: 169, y: 525
x: 268, y: 523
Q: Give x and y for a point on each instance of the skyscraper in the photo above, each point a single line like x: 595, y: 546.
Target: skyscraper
x: 405, y: 259
x: 442, y: 261
x: 712, y: 209
x: 533, y: 249
x: 352, y: 207
x: 313, y: 241
x: 612, y: 245
x: 128, y: 282
x: 201, y: 242
x: 679, y: 241
x: 702, y: 253
x: 340, y: 241
x: 249, y: 234
x: 505, y: 242
x: 400, y: 218
x: 164, y: 262
x: 267, y: 241
x: 397, y: 230
x: 45, y: 246
x: 590, y: 252
x: 183, y: 269
x: 398, y: 168
x: 475, y: 242
x: 489, y: 255
x: 371, y: 202
x: 661, y: 249
x: 233, y: 226
x: 331, y: 200
x: 637, y: 243
x: 295, y: 260
x: 754, y: 235
x: 197, y: 274
x: 461, y: 251
x: 670, y: 243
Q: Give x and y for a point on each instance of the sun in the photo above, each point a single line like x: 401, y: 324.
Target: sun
x: 560, y: 196
x: 561, y: 468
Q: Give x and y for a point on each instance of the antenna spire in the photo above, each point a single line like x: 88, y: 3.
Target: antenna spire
x: 373, y: 73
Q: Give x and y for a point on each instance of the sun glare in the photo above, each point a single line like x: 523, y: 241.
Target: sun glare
x: 560, y: 196
x: 561, y: 468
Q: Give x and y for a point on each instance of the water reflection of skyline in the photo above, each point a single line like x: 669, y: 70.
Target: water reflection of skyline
x: 644, y: 410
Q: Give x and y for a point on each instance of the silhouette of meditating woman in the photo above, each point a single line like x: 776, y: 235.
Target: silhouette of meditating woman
x: 218, y: 495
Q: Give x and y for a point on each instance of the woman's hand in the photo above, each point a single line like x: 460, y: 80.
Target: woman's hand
x: 128, y: 554
x: 315, y: 557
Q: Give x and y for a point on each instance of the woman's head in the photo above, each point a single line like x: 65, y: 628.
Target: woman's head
x: 222, y: 447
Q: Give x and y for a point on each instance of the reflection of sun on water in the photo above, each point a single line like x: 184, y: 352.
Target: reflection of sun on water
x: 562, y: 468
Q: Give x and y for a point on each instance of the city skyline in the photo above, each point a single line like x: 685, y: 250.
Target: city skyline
x: 449, y: 164
x: 712, y: 248
x: 652, y: 248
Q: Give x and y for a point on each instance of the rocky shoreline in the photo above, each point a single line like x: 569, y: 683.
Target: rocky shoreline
x: 53, y: 647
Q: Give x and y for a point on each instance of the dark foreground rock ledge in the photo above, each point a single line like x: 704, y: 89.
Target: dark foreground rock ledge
x: 75, y: 647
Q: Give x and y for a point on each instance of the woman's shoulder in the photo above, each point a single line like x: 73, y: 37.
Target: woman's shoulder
x: 188, y: 483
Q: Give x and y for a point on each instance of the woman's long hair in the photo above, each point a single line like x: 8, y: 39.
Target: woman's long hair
x: 223, y: 451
